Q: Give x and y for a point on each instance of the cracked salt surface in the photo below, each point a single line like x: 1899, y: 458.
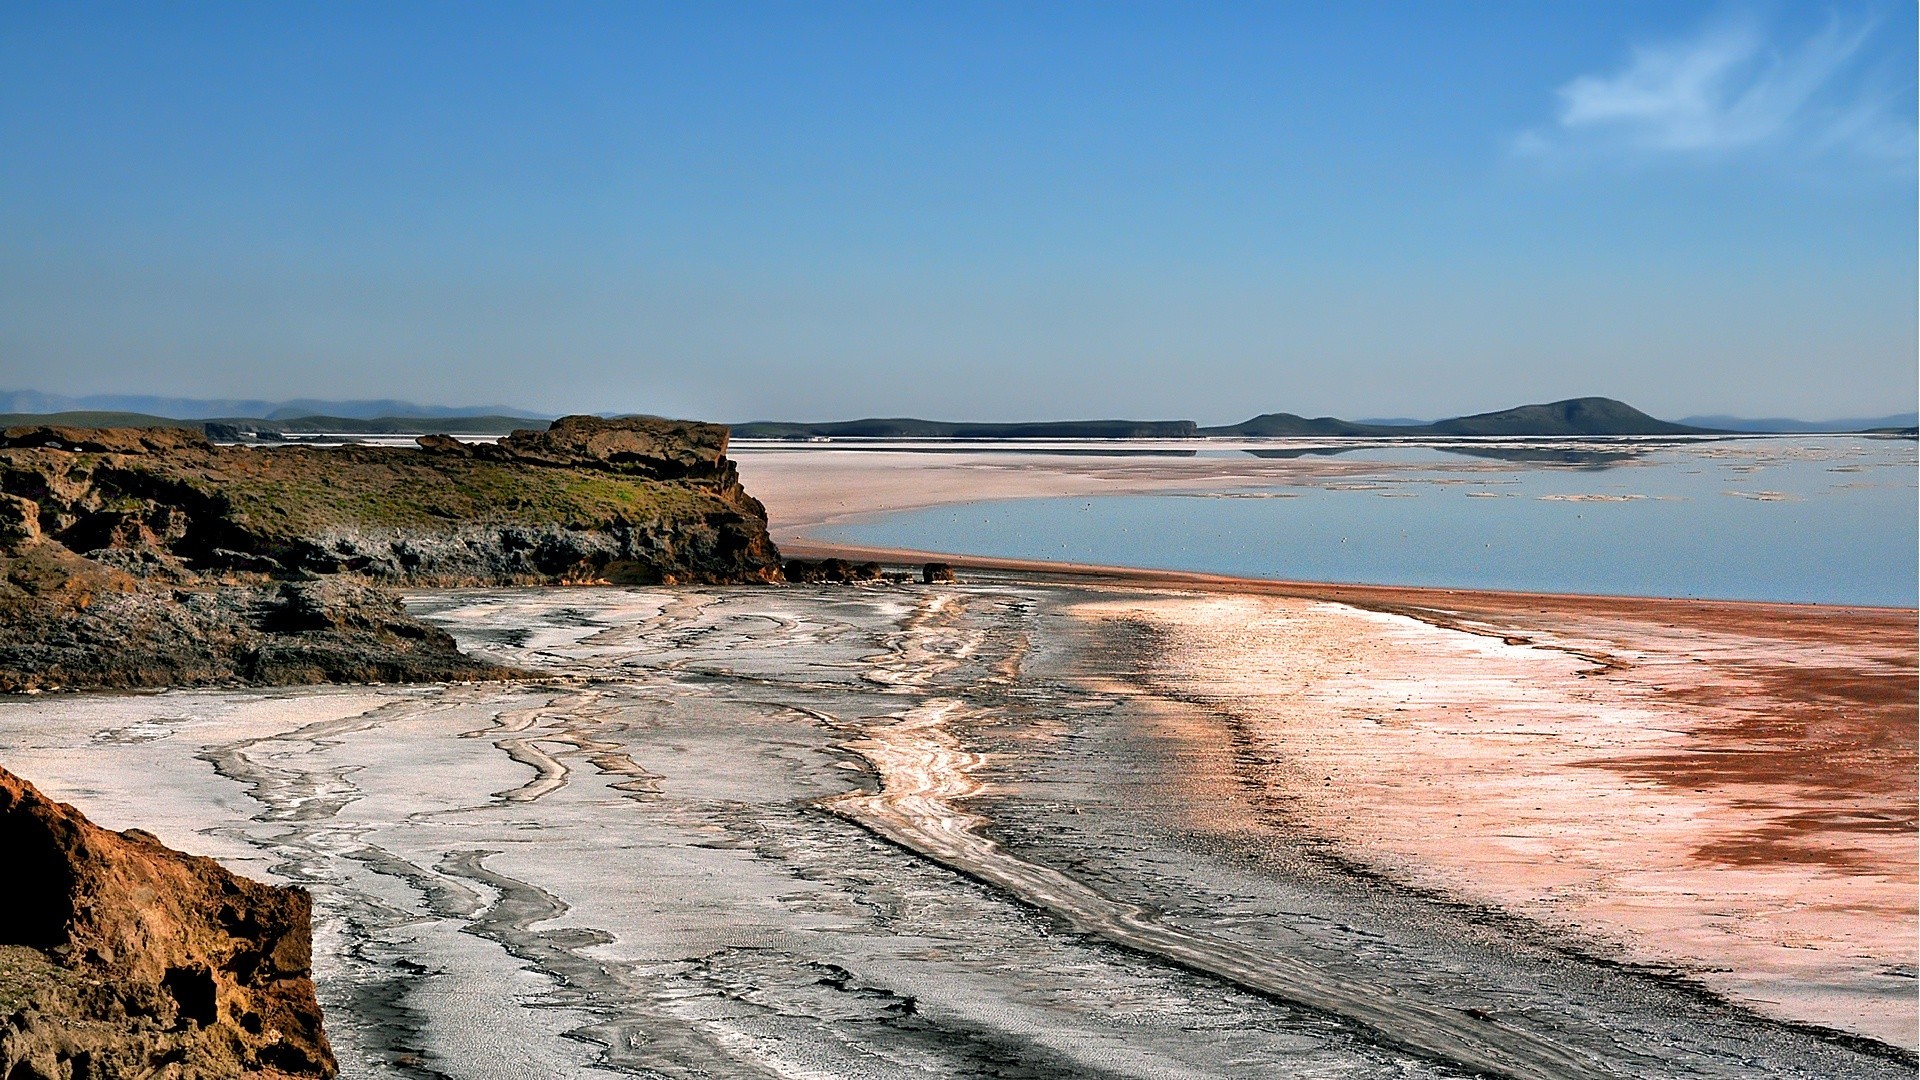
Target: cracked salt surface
x: 678, y: 858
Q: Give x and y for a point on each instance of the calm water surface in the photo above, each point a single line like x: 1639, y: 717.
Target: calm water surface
x: 1814, y: 520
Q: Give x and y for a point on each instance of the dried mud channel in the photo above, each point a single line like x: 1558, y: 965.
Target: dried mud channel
x: 849, y: 832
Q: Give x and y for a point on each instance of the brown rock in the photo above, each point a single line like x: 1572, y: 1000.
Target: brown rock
x: 19, y: 522
x: 120, y: 957
x: 442, y: 444
x: 936, y: 572
x: 152, y: 557
x: 836, y: 571
x: 155, y: 440
x: 639, y: 446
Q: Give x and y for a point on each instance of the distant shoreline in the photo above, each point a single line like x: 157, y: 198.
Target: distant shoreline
x: 811, y: 495
x: 244, y: 420
x: 1398, y: 598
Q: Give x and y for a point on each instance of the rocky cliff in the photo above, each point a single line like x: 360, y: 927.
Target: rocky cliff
x: 122, y: 958
x: 152, y: 557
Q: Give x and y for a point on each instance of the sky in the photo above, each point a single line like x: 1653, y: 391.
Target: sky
x: 966, y: 211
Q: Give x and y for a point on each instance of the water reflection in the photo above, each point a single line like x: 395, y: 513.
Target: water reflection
x: 1825, y: 521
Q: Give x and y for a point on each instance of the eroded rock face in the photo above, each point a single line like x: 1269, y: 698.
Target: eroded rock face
x: 840, y: 571
x: 120, y: 957
x: 657, y: 449
x: 152, y: 557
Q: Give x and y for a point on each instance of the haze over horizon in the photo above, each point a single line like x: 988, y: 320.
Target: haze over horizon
x: 978, y: 211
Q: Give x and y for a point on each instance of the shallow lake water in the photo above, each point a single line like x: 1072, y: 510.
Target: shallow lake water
x: 1830, y: 520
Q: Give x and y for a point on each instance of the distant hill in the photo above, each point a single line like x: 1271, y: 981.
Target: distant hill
x: 237, y: 428
x: 1576, y: 416
x: 1787, y: 425
x: 1573, y: 417
x: 90, y: 419
x: 1289, y: 425
x: 909, y: 428
x: 379, y: 425
x: 31, y: 401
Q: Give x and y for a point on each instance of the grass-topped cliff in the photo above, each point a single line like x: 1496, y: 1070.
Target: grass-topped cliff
x: 151, y: 556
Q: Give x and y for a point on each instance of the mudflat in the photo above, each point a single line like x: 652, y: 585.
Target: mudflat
x: 1725, y: 789
x: 804, y: 489
x: 953, y: 830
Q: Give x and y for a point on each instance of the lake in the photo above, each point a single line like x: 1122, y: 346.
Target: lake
x: 1818, y: 520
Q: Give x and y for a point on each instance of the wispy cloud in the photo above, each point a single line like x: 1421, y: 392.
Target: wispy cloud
x: 1734, y: 88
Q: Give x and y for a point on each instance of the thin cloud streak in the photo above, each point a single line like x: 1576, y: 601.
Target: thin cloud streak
x: 1730, y: 90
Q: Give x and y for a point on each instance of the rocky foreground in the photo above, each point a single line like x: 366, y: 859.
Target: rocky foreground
x: 150, y: 557
x: 120, y: 957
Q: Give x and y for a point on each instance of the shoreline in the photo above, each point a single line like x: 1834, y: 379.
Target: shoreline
x: 1033, y: 739
x: 1764, y: 753
x: 810, y: 495
x: 1356, y: 593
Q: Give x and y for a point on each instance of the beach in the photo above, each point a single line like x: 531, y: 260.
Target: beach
x: 1722, y: 789
x: 872, y: 831
x: 1065, y: 821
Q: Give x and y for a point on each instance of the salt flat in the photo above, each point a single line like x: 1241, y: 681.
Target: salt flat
x: 860, y: 832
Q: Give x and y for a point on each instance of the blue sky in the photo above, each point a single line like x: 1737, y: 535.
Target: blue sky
x: 966, y: 211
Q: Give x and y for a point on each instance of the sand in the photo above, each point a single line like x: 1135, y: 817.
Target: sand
x: 1071, y: 822
x: 1716, y: 788
x: 1666, y: 809
x: 874, y: 831
x: 804, y: 489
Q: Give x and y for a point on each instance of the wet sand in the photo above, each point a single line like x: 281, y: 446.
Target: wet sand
x: 1073, y: 822
x: 1723, y: 789
x: 974, y: 830
x: 804, y: 489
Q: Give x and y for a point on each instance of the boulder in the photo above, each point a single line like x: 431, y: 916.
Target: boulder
x: 833, y: 571
x: 19, y: 522
x: 636, y: 446
x: 122, y: 958
x: 154, y: 440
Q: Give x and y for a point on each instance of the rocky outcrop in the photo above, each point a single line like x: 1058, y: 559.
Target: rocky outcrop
x: 275, y: 633
x: 122, y: 958
x: 152, y: 557
x: 844, y: 572
x: 838, y: 571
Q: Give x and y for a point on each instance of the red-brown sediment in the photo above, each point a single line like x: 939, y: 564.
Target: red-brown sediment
x: 1724, y: 788
x: 1727, y: 788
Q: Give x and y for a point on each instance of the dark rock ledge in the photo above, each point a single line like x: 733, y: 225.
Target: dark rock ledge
x: 150, y: 557
x: 139, y: 557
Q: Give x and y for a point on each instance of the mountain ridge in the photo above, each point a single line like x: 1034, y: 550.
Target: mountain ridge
x: 1588, y: 416
x: 1572, y: 417
x: 186, y: 408
x: 253, y: 428
x: 1789, y: 425
x: 912, y: 428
